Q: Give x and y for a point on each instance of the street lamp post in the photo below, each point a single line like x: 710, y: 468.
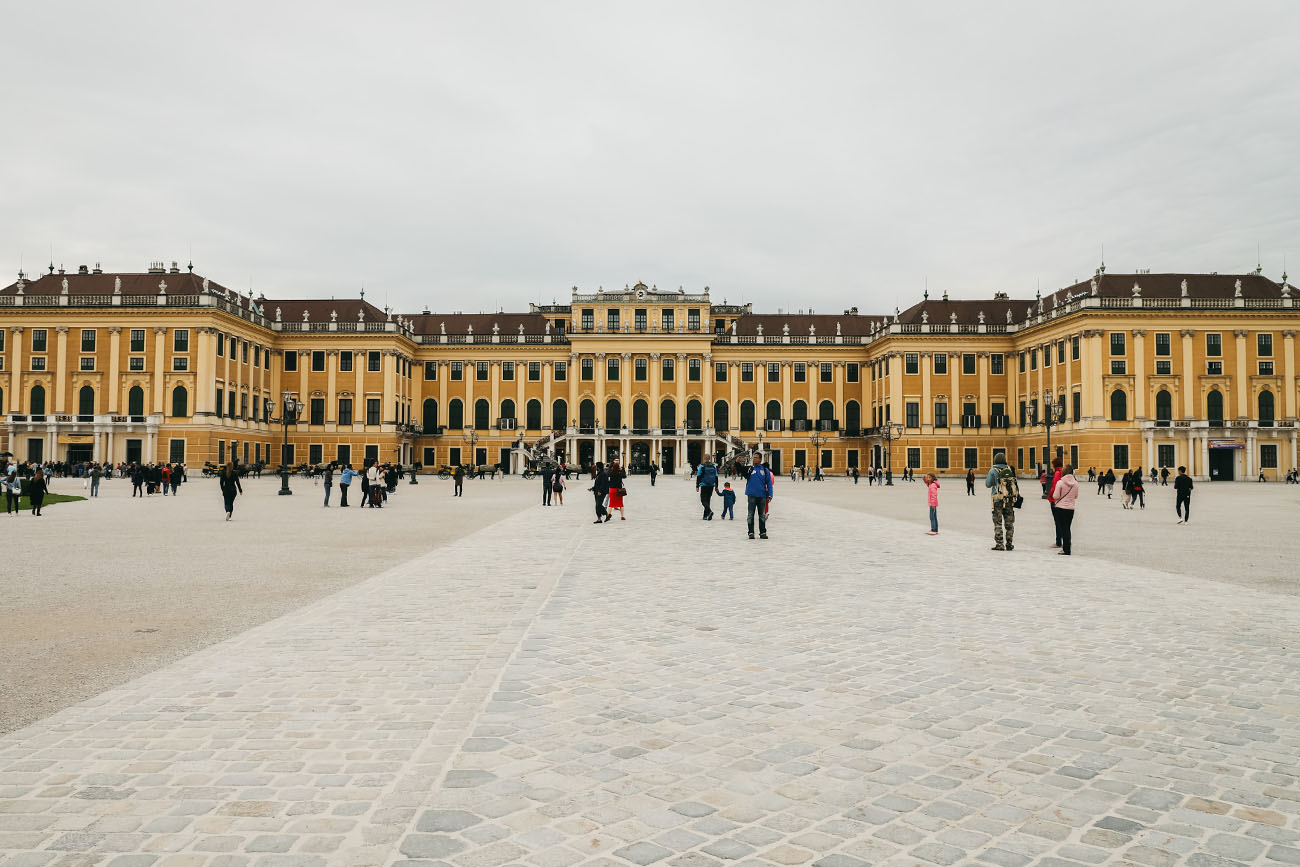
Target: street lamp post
x: 890, y: 432
x: 471, y: 437
x: 288, y: 415
x: 1054, y: 414
x: 816, y: 437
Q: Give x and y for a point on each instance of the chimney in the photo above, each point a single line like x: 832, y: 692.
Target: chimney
x: 98, y: 270
x: 157, y: 268
x: 176, y: 269
x: 82, y: 269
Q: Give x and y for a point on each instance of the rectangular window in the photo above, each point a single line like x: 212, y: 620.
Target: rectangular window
x: 773, y: 371
x: 243, y: 351
x: 181, y: 340
x: 611, y: 319
x: 611, y: 368
x: 1118, y: 367
x: 588, y: 318
x: 561, y: 371
x: 1120, y: 456
x: 638, y: 319
x: 136, y: 362
x: 230, y: 404
x: 221, y: 451
x: 345, y: 410
x: 1214, y: 368
x: 1074, y: 349
x: 430, y: 370
x: 997, y: 364
x: 453, y: 456
x: 243, y: 406
x: 693, y: 370
x: 1033, y: 358
x: 374, y: 361
x: 1022, y: 362
x: 1060, y: 352
x: 290, y: 360
x: 317, y: 415
x: 38, y: 362
x: 345, y: 360
x: 828, y: 458
x: 481, y: 371
x: 1164, y: 367
x: 666, y: 320
x: 534, y: 371
x: 913, y: 458
x: 970, y: 459
x: 911, y: 363
x: 667, y: 370
x: 1165, y: 456
x: 913, y: 414
x: 1214, y: 345
x: 137, y: 341
x: 257, y: 359
x: 88, y: 340
x: 941, y: 459
x: 1263, y: 344
x: 941, y: 414
x: 851, y: 372
x: 1268, y: 456
x: 693, y: 319
x: 372, y: 410
x: 720, y: 371
x: 318, y: 361
x: 827, y: 372
x: 457, y: 371
x: 1047, y: 355
x: 88, y: 362
x: 747, y: 371
x: 800, y: 372
x: 588, y: 370
x: 641, y: 369
x: 1118, y: 345
x: 968, y: 364
x: 315, y: 455
x: 507, y: 371
x: 1265, y: 368
x: 180, y: 362
x: 1076, y: 411
x: 941, y: 364
x: 40, y: 340
x: 1162, y: 344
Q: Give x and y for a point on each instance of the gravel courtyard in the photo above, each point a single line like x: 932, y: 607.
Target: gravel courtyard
x: 482, y: 682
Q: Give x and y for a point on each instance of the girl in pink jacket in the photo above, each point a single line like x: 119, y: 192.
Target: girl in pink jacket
x: 932, y: 491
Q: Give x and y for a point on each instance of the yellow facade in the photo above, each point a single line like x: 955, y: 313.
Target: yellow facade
x: 1198, y: 373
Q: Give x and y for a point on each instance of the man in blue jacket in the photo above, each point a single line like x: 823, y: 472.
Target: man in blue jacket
x: 758, y: 490
x: 706, y: 479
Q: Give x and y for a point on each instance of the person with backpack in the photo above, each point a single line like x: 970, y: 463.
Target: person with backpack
x: 1001, y: 480
x: 706, y: 479
x: 758, y: 493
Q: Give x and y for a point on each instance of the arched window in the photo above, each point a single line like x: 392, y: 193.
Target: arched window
x: 1118, y: 405
x: 86, y: 401
x: 613, y: 414
x: 1214, y: 406
x: 773, y: 409
x: 559, y: 414
x: 533, y: 415
x: 800, y: 411
x: 1266, y: 407
x: 38, y: 400
x: 587, y: 413
x: 507, y: 408
x: 694, y: 415
x: 455, y: 414
x: 746, y: 415
x: 825, y: 410
x: 721, y: 415
x: 668, y: 415
x: 181, y: 402
x: 482, y: 414
x: 853, y: 416
x: 135, y: 401
x: 1164, y: 406
x: 429, y: 415
x: 640, y: 415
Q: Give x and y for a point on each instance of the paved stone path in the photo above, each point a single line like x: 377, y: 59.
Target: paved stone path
x: 664, y: 691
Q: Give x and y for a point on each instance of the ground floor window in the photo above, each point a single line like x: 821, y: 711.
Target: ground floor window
x: 315, y: 454
x: 827, y: 458
x: 853, y: 459
x: 1165, y: 455
x: 1120, y: 456
x: 1020, y: 457
x: 941, y: 459
x: 176, y: 451
x: 245, y: 451
x: 453, y: 456
x: 344, y: 455
x: 1074, y: 456
x: 971, y: 459
x: 372, y: 454
x: 913, y: 458
x: 257, y: 452
x: 800, y: 457
x: 1268, y: 457
x: 287, y: 457
x: 221, y: 451
x: 430, y: 456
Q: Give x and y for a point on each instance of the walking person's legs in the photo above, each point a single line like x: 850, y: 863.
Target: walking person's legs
x: 1056, y: 522
x: 1065, y: 519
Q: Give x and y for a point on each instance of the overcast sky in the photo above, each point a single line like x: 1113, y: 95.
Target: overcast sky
x: 471, y: 156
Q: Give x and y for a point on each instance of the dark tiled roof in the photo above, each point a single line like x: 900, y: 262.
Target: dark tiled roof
x: 825, y: 323
x: 1170, y: 286
x: 459, y: 323
x: 967, y: 312
x: 184, y: 283
x: 348, y: 310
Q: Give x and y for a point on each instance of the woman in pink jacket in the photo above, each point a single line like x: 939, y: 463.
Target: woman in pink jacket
x: 932, y: 492
x: 1065, y: 495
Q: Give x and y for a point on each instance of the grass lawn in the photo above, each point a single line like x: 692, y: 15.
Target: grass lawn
x: 25, y: 504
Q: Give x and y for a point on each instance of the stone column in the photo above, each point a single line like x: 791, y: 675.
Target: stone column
x: 61, y: 372
x: 814, y: 377
x: 390, y: 389
x: 787, y: 406
x: 706, y: 380
x: 112, y: 384
x: 1139, y: 376
x: 159, y: 355
x: 521, y: 407
x: 1241, y: 381
x: 15, y: 378
x: 331, y: 386
x: 494, y: 382
x: 1189, y: 379
x: 926, y: 359
x: 680, y: 374
x: 733, y: 411
x: 760, y: 394
x: 1288, y: 380
x: 982, y: 360
x: 444, y: 373
x: 547, y: 409
x: 655, y: 373
x: 625, y: 374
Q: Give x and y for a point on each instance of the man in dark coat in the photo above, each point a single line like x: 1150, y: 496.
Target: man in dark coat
x: 548, y: 480
x: 600, y: 489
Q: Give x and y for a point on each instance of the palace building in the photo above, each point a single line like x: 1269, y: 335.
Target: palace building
x: 1120, y: 371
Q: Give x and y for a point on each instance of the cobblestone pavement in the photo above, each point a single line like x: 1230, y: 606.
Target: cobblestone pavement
x: 665, y: 691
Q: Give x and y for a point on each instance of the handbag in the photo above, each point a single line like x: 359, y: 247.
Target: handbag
x: 622, y: 492
x: 1020, y: 501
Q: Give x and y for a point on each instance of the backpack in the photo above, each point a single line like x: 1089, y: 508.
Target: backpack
x: 708, y: 475
x: 1007, y: 490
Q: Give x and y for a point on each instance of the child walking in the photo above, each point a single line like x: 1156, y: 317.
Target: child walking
x: 932, y: 491
x: 728, y: 502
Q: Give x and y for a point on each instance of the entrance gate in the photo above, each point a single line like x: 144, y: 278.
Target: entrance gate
x: 1222, y: 464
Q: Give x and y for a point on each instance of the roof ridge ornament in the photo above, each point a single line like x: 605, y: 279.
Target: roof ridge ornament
x: 1137, y: 290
